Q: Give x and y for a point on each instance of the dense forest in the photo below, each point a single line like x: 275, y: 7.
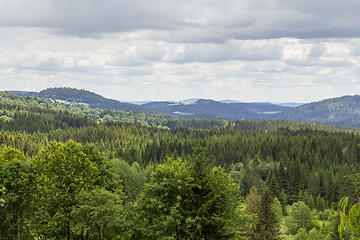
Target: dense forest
x: 71, y: 172
x: 342, y: 111
x: 94, y: 100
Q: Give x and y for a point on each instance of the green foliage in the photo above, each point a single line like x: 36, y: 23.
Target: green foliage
x: 301, y: 235
x: 98, y: 214
x: 184, y: 201
x: 133, y: 177
x: 333, y: 233
x: 295, y: 160
x: 314, y: 234
x: 15, y: 183
x: 278, y: 210
x: 10, y: 154
x: 62, y: 171
x: 253, y: 201
x: 266, y: 226
x: 349, y: 219
x: 301, y: 217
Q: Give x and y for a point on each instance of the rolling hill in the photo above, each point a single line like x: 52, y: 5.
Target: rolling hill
x: 203, y: 106
x: 336, y: 111
x: 94, y: 100
x: 343, y: 110
x: 261, y: 107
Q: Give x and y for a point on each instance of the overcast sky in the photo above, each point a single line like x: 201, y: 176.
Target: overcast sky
x: 245, y: 50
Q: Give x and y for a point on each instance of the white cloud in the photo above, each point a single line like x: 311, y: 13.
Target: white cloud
x: 249, y: 50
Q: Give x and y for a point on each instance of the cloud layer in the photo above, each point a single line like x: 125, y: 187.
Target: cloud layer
x: 190, y: 21
x: 166, y: 49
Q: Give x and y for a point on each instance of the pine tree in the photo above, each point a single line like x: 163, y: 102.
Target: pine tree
x: 274, y: 187
x: 266, y: 225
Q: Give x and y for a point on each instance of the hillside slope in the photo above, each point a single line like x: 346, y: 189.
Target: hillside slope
x: 336, y: 111
x: 204, y: 106
x: 94, y: 100
x: 261, y: 107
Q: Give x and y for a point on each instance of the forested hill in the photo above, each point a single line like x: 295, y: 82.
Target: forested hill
x: 336, y: 111
x: 261, y: 107
x: 32, y: 113
x: 94, y: 100
x: 204, y: 106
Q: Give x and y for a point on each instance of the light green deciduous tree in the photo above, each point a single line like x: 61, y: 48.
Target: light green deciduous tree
x: 190, y: 201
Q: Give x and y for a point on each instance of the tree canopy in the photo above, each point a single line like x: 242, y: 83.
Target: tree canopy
x: 186, y: 200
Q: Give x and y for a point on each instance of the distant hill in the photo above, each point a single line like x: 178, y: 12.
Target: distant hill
x: 20, y: 92
x: 191, y: 100
x: 336, y: 111
x: 94, y: 100
x: 204, y: 107
x: 290, y: 104
x: 261, y: 107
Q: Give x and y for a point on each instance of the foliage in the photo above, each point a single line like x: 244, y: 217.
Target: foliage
x: 301, y: 217
x: 278, y: 210
x: 297, y: 161
x: 133, y: 177
x: 15, y: 182
x: 62, y: 171
x: 350, y: 218
x: 266, y: 226
x: 253, y: 201
x: 333, y: 233
x: 350, y: 210
x: 98, y: 214
x: 301, y: 235
x: 184, y: 201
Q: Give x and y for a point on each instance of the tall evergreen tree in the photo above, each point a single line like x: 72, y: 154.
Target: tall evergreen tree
x: 273, y: 186
x: 266, y: 225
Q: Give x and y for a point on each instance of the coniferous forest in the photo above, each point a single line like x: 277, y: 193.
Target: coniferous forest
x: 70, y: 172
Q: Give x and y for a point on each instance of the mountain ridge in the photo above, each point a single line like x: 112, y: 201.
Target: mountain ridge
x: 343, y: 110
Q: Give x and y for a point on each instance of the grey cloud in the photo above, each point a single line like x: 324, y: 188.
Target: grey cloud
x: 90, y: 16
x: 191, y: 21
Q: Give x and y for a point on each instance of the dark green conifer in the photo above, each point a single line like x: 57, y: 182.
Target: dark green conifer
x: 273, y: 186
x: 266, y: 226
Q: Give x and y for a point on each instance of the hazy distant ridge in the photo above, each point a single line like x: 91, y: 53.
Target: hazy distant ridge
x: 336, y: 111
x: 204, y: 106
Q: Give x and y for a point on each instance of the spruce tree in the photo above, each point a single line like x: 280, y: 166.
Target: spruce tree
x: 266, y: 225
x: 273, y: 185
